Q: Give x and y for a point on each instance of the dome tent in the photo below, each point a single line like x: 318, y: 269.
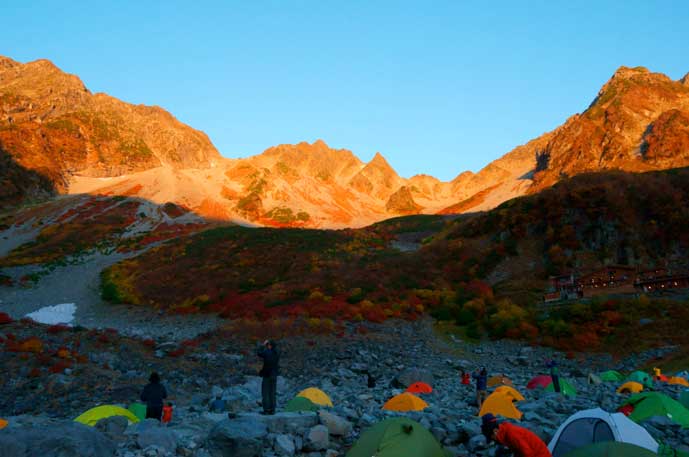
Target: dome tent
x: 630, y: 387
x: 397, y: 437
x: 611, y: 376
x: 565, y: 388
x: 420, y: 388
x: 539, y: 381
x: 650, y: 404
x: 317, y: 396
x: 611, y: 449
x: 301, y: 404
x: 93, y: 415
x: 595, y: 425
x: 405, y: 402
x: 641, y: 378
x: 499, y: 403
x: 510, y: 391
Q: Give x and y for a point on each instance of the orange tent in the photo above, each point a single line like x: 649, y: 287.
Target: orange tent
x: 420, y: 388
x: 509, y: 391
x: 499, y: 380
x: 3, y: 423
x: 678, y: 380
x: 405, y: 402
x: 630, y: 387
x: 501, y: 404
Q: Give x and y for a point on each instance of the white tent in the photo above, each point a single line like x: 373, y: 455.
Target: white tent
x: 595, y: 426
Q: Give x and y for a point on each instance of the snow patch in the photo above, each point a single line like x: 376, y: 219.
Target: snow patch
x: 51, y: 315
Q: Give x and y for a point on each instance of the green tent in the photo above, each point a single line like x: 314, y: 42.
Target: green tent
x: 565, y: 388
x: 396, y: 437
x: 299, y: 404
x: 93, y: 415
x: 650, y: 404
x: 611, y: 376
x: 611, y: 449
x: 684, y: 398
x: 138, y: 409
x: 642, y: 378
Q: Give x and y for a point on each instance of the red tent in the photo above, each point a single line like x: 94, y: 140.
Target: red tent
x: 539, y: 381
x: 420, y: 388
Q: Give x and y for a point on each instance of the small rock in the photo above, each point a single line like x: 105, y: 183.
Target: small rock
x: 318, y: 438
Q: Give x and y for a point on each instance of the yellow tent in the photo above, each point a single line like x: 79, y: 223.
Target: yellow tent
x: 501, y: 404
x: 630, y: 387
x: 317, y: 396
x: 93, y: 415
x: 678, y: 380
x: 405, y: 402
x: 3, y: 423
x: 510, y: 391
x: 500, y: 380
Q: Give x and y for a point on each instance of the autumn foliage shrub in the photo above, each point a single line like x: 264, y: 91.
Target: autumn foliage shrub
x: 32, y: 344
x: 5, y: 319
x: 34, y: 373
x: 177, y: 352
x: 57, y: 328
x: 60, y: 366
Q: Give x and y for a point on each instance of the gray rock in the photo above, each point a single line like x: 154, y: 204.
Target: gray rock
x: 284, y: 422
x: 113, y: 427
x: 284, y: 445
x: 240, y: 437
x: 317, y: 438
x: 413, y: 375
x: 58, y: 440
x: 159, y: 437
x: 336, y: 425
x: 476, y: 443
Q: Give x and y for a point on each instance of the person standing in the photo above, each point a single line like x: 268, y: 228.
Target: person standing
x: 554, y: 374
x: 153, y: 395
x: 466, y: 378
x: 481, y: 378
x: 271, y: 368
x: 520, y: 441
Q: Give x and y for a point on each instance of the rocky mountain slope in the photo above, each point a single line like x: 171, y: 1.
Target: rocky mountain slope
x: 638, y: 122
x: 52, y: 126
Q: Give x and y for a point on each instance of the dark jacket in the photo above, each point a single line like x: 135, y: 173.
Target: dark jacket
x: 481, y: 380
x: 153, y: 395
x: 271, y: 362
x: 552, y: 364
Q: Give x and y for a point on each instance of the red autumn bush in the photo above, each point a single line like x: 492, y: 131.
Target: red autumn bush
x: 5, y: 319
x: 57, y: 328
x: 177, y: 352
x: 60, y: 366
x: 34, y: 373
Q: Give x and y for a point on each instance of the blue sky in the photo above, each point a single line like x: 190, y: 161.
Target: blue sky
x: 437, y: 87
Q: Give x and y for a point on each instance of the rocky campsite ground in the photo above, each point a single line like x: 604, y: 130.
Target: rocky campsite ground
x: 52, y: 374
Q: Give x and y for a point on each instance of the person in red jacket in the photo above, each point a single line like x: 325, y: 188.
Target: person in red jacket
x: 520, y: 441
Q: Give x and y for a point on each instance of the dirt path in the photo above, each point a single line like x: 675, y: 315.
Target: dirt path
x: 80, y: 284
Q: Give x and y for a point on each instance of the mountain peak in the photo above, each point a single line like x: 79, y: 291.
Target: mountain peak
x: 685, y: 80
x: 6, y: 62
x: 626, y: 72
x: 320, y: 144
x: 379, y: 160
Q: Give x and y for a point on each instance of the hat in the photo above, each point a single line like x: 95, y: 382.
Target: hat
x: 488, y: 423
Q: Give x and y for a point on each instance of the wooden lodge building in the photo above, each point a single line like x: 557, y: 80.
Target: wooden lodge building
x: 614, y: 279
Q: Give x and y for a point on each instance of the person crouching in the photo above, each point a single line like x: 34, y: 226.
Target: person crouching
x: 516, y: 440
